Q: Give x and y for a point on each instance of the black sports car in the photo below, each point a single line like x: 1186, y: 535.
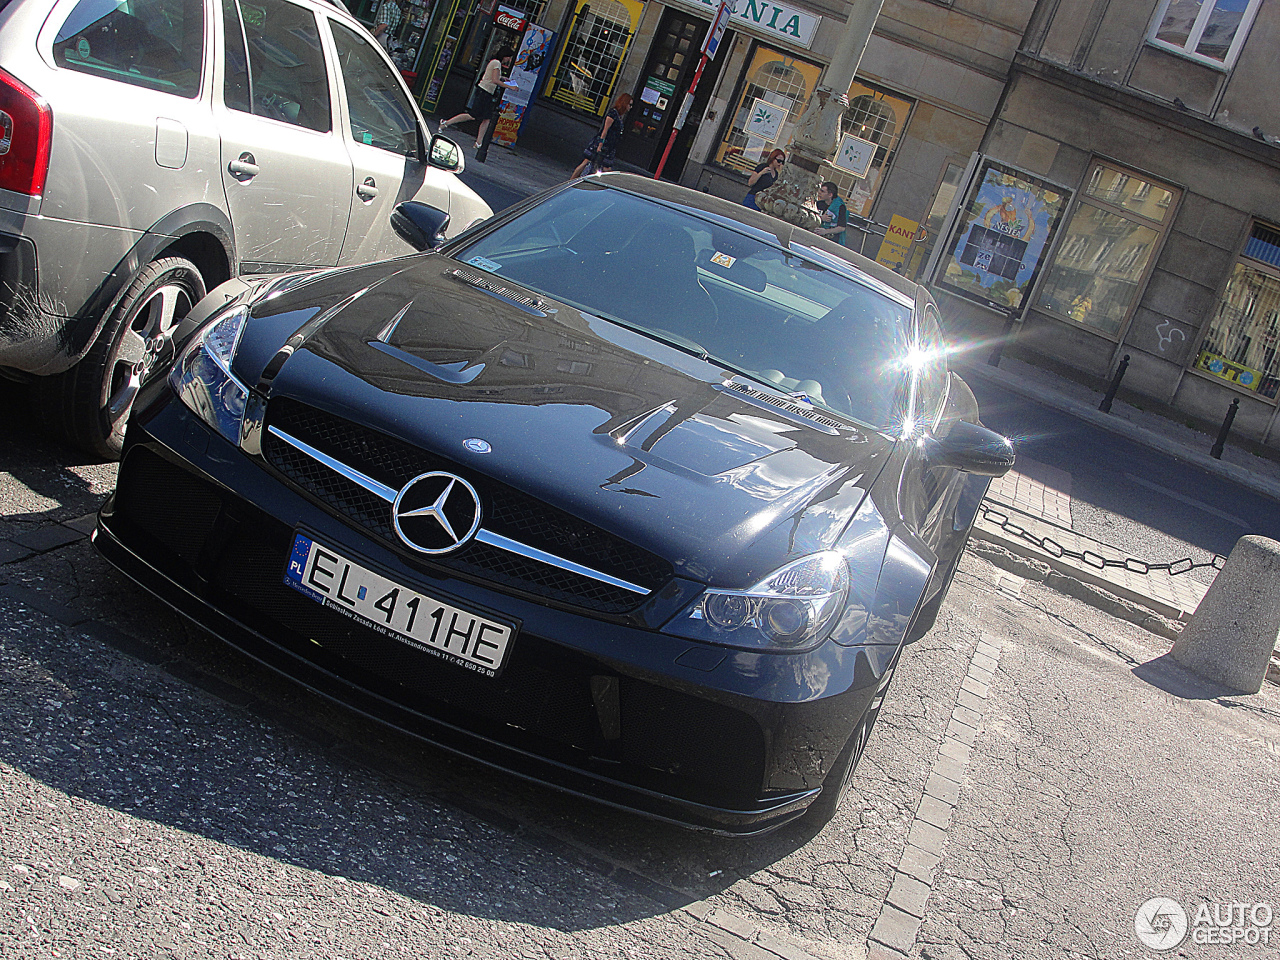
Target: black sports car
x: 629, y: 490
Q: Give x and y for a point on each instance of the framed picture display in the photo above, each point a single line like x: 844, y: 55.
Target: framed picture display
x: 1000, y: 236
x: 854, y: 155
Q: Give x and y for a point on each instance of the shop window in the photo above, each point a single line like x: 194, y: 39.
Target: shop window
x: 1210, y: 31
x: 775, y: 92
x: 1240, y: 344
x: 1106, y: 250
x: 879, y: 117
x: 597, y: 39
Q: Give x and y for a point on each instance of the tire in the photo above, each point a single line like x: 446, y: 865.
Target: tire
x: 928, y: 614
x: 90, y: 403
x: 837, y: 781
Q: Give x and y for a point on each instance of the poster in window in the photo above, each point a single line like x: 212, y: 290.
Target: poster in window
x: 999, y: 240
x: 766, y: 120
x: 854, y: 155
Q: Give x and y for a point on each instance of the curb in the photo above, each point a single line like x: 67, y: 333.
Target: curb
x: 1131, y: 431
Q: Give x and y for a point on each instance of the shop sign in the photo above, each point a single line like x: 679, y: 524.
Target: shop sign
x: 764, y: 18
x: 895, y: 249
x: 509, y: 20
x: 1238, y: 374
x: 855, y: 155
x: 766, y: 120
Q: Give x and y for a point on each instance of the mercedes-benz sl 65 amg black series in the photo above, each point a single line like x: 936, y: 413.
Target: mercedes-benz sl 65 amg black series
x: 628, y: 490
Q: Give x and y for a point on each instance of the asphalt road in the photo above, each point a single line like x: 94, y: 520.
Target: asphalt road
x: 1157, y: 508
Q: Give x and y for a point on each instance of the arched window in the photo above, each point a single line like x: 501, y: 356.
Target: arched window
x: 598, y: 38
x: 775, y: 80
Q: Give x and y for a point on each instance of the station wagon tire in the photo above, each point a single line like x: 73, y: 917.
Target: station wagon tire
x: 90, y: 403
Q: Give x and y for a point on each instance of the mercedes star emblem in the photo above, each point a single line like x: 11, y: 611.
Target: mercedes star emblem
x: 476, y: 445
x: 436, y: 512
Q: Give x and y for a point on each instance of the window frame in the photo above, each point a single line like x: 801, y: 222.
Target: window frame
x: 1188, y: 49
x: 1266, y: 269
x: 1098, y: 203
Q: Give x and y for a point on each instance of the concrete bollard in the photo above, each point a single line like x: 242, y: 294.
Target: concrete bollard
x: 1234, y: 630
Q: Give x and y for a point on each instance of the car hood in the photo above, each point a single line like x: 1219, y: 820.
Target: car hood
x: 670, y: 452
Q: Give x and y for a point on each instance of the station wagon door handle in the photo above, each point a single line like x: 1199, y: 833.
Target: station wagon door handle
x: 367, y: 190
x: 245, y: 167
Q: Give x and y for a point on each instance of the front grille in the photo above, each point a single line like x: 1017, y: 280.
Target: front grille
x: 664, y: 740
x: 507, y: 511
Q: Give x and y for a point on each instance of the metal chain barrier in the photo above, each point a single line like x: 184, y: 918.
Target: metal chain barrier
x: 1095, y: 560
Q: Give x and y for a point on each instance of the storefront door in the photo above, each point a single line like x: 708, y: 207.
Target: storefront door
x: 673, y: 58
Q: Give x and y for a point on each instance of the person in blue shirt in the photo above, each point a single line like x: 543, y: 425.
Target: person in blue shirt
x: 835, y: 216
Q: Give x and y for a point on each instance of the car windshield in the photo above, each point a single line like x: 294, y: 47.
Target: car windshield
x: 713, y: 290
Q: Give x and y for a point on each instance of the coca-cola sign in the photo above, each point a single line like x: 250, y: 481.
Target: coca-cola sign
x: 504, y: 19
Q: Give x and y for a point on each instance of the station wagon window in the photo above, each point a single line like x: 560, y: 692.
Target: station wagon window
x: 158, y: 44
x: 274, y: 63
x: 380, y: 113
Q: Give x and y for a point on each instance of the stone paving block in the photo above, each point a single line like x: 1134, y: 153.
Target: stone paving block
x: 83, y: 525
x: 909, y: 895
x: 935, y: 811
x: 47, y: 537
x: 788, y: 951
x: 950, y: 769
x: 964, y: 715
x: 961, y: 731
x: 976, y: 687
x: 981, y: 674
x: 927, y: 837
x: 918, y: 863
x: 11, y: 552
x: 955, y: 750
x: 948, y: 791
x: 971, y: 700
x: 736, y: 947
x: 895, y: 928
x: 988, y: 650
x: 983, y: 662
x: 731, y: 923
x: 878, y: 951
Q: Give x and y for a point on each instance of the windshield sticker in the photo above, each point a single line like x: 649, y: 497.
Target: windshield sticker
x: 485, y: 264
x: 723, y: 259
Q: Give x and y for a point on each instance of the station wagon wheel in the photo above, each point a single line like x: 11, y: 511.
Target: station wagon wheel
x: 92, y: 400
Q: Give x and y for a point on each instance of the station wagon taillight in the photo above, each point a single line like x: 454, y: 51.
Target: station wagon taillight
x: 26, y: 128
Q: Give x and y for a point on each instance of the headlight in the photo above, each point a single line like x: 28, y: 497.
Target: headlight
x: 790, y: 609
x: 202, y: 377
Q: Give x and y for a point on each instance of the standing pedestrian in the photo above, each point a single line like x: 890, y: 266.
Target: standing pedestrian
x: 603, y: 148
x: 481, y: 105
x: 766, y: 173
x: 385, y: 23
x: 835, y: 216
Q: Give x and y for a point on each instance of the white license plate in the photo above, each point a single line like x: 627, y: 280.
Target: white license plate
x: 397, y: 611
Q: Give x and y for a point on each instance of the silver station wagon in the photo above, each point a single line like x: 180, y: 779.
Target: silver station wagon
x: 151, y: 149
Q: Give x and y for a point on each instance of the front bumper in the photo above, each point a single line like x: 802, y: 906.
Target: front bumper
x: 707, y: 737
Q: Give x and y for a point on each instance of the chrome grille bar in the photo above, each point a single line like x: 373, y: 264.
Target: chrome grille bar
x: 484, y: 536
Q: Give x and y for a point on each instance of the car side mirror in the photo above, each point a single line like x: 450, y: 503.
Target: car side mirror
x: 420, y: 225
x: 970, y: 448
x: 445, y: 154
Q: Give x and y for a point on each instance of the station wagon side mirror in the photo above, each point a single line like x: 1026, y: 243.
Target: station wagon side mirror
x: 445, y: 154
x: 970, y: 448
x: 420, y: 225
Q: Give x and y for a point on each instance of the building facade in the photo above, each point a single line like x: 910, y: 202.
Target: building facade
x: 1156, y: 123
